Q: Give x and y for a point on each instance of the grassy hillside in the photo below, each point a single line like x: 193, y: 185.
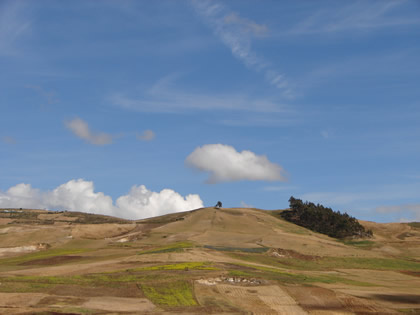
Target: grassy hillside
x: 227, y: 261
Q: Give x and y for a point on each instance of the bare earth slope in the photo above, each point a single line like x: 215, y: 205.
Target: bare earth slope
x: 210, y: 261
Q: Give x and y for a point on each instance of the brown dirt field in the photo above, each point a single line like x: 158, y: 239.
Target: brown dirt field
x: 399, y: 282
x: 24, y: 235
x: 269, y: 299
x: 72, y: 269
x: 100, y: 231
x: 388, y: 298
x: 18, y: 303
x: 14, y: 300
x: 118, y: 304
x: 318, y: 300
x: 56, y: 217
x: 128, y: 291
x: 14, y: 251
x: 4, y: 221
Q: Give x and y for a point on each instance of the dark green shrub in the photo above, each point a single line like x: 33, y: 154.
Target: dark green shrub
x: 323, y: 220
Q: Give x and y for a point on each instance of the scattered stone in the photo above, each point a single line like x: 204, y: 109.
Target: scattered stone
x: 232, y: 280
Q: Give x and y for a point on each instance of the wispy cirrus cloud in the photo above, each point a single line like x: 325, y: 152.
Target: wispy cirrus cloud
x: 13, y: 24
x: 50, y: 97
x: 163, y: 97
x: 279, y: 188
x: 80, y: 128
x: 357, y: 15
x: 179, y: 101
x: 363, y: 203
x: 348, y: 198
x: 368, y: 199
x: 237, y: 33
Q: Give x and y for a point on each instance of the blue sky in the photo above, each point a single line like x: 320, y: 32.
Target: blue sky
x: 139, y: 108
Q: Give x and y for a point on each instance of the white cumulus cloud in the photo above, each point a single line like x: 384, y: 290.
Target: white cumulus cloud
x: 150, y: 203
x: 81, y: 129
x: 245, y: 205
x: 8, y: 140
x: 412, y: 209
x: 225, y: 164
x: 147, y: 135
x: 80, y: 195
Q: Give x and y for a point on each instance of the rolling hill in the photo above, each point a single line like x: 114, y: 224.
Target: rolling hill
x: 211, y: 261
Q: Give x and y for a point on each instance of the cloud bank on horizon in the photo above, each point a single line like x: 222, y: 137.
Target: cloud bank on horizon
x: 412, y: 209
x: 79, y: 195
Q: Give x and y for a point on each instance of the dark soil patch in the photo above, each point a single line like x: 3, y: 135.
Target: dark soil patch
x: 52, y: 260
x: 398, y: 298
x: 65, y: 300
x: 128, y: 291
x: 402, y: 236
x: 237, y: 213
x: 238, y: 249
x: 412, y: 273
x: 49, y: 313
x: 228, y: 266
x: 315, y: 298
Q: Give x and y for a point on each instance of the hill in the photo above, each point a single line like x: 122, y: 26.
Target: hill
x: 212, y: 261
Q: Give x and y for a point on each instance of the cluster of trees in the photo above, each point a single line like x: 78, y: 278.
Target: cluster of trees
x: 324, y: 220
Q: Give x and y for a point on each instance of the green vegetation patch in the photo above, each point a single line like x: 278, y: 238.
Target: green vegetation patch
x: 85, y: 280
x: 118, y: 279
x: 177, y: 293
x: 295, y: 278
x: 238, y: 249
x: 176, y: 247
x: 178, y: 266
x: 365, y: 244
x: 369, y: 263
x: 284, y: 262
x: 331, y: 263
x: 44, y: 254
x: 415, y: 225
x: 90, y: 218
x: 24, y: 287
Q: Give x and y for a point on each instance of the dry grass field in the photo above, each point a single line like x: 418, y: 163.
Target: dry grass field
x: 206, y: 261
